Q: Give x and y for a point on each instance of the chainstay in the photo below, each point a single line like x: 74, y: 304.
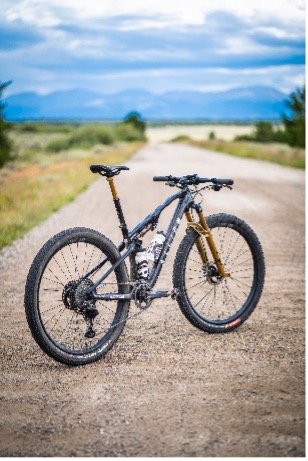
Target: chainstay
x: 130, y: 316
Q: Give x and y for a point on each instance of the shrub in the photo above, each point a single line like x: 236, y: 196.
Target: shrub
x: 84, y: 137
x: 5, y: 143
x: 181, y: 138
x: 129, y: 133
x: 264, y: 132
x: 43, y: 127
x: 244, y: 137
x: 88, y: 136
x: 30, y: 127
x: 56, y: 145
x: 295, y: 126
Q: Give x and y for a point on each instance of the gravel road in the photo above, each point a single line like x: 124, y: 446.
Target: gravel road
x: 167, y: 388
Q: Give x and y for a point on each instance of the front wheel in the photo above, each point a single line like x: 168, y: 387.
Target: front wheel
x: 67, y: 323
x: 210, y: 302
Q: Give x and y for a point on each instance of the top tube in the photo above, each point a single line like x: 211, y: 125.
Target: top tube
x: 154, y: 215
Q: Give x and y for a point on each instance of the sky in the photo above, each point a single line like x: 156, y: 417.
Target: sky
x: 156, y: 45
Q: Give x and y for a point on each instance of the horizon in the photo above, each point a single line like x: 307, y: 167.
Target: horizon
x: 250, y: 103
x: 131, y: 89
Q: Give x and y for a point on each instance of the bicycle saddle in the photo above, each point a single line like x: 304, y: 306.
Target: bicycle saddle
x: 108, y: 171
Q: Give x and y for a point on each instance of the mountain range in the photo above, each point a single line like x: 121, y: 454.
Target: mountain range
x: 251, y: 103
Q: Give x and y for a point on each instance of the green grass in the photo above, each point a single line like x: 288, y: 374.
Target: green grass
x: 282, y: 154
x: 89, y: 135
x: 31, y: 191
x: 44, y: 127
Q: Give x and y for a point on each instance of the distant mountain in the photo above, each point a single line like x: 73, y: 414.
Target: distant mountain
x: 250, y: 103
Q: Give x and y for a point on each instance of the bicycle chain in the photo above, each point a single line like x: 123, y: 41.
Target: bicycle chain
x: 130, y: 316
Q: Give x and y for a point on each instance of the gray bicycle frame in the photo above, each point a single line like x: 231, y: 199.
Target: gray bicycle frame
x: 185, y: 201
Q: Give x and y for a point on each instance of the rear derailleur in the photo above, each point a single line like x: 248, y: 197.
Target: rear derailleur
x: 75, y: 297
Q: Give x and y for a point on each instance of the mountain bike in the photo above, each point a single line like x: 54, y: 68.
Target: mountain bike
x: 79, y: 290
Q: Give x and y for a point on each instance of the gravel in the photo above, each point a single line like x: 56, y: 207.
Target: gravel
x: 168, y: 389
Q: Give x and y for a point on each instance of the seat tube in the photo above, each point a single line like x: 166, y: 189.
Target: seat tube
x: 212, y: 244
x: 118, y: 208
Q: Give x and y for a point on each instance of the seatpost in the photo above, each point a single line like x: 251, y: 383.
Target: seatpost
x: 118, y: 208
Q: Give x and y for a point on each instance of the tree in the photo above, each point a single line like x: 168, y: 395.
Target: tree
x: 5, y: 143
x: 135, y: 119
x: 264, y: 132
x: 295, y: 125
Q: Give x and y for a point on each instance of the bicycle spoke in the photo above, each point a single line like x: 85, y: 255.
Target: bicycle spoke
x: 198, y: 283
x: 76, y: 268
x: 64, y: 319
x: 224, y: 297
x: 198, y: 262
x: 55, y: 281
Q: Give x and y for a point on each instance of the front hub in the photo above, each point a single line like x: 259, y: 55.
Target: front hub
x: 212, y: 275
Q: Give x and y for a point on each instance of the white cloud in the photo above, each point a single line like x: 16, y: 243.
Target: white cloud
x: 278, y: 33
x: 153, y: 13
x: 53, y: 63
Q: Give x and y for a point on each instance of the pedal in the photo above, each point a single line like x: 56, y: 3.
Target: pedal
x: 174, y: 293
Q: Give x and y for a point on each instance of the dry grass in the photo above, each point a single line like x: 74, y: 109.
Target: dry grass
x: 273, y: 152
x: 197, y: 132
x: 31, y: 189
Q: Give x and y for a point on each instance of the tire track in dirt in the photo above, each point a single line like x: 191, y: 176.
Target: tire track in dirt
x: 167, y: 389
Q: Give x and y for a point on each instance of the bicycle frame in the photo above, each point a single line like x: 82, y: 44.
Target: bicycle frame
x: 132, y: 242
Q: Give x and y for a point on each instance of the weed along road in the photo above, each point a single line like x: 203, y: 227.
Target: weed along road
x: 167, y: 388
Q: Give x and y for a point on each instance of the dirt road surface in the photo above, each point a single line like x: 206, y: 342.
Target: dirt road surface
x: 167, y: 388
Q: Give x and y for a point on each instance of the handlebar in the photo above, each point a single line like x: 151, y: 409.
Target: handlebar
x: 193, y: 179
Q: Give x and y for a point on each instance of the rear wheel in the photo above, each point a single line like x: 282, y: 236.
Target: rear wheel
x: 66, y: 322
x: 210, y: 302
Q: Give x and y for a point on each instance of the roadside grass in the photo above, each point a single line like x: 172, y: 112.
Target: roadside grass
x: 282, y: 154
x: 31, y: 189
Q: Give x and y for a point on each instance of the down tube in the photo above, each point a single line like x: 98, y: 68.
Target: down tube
x: 173, y: 226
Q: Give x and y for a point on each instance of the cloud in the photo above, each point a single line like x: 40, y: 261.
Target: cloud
x: 153, y: 13
x: 68, y: 42
x: 17, y: 35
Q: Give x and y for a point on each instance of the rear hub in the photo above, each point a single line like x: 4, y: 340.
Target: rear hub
x: 76, y: 297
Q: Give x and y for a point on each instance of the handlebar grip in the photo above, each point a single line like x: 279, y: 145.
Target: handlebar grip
x: 161, y: 178
x: 226, y: 182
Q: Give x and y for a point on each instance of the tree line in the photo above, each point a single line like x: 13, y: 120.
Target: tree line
x: 293, y: 127
x: 292, y: 131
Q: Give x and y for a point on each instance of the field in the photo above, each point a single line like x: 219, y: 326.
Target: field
x: 198, y: 132
x: 221, y: 138
x: 50, y: 166
x: 38, y: 182
x: 273, y: 152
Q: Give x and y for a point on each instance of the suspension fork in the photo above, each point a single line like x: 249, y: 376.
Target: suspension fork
x: 203, y: 229
x: 199, y: 243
